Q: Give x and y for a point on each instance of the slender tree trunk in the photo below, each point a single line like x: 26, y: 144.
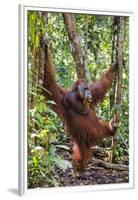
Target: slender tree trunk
x: 120, y: 41
x: 117, y: 56
x: 76, y: 47
x: 41, y: 51
x: 113, y: 60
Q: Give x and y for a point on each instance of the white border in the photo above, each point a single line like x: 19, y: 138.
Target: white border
x: 22, y: 144
x: 21, y: 132
x: 23, y: 103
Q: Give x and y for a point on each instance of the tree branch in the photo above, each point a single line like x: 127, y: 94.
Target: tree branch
x: 101, y: 163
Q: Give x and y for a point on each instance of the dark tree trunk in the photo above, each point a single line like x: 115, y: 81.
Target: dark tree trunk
x: 113, y: 60
x: 76, y: 47
x: 119, y: 55
x: 41, y: 51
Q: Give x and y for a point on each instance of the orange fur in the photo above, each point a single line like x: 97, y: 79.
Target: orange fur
x: 87, y: 129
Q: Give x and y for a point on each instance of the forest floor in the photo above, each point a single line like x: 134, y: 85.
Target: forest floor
x: 92, y: 175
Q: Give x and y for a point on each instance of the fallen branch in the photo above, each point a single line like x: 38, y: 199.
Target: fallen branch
x: 101, y: 163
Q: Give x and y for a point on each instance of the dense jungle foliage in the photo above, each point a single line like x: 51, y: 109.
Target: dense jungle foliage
x: 47, y: 137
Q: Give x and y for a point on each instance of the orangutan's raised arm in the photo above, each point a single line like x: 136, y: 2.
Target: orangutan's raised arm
x: 52, y: 91
x: 100, y: 87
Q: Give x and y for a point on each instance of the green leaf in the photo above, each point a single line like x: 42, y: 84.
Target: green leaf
x: 35, y: 161
x: 37, y: 40
x: 62, y: 164
x: 52, y: 151
x: 53, y: 138
x: 63, y: 147
x: 55, y: 182
x: 33, y: 135
x: 42, y: 172
x: 51, y: 125
x: 51, y: 102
